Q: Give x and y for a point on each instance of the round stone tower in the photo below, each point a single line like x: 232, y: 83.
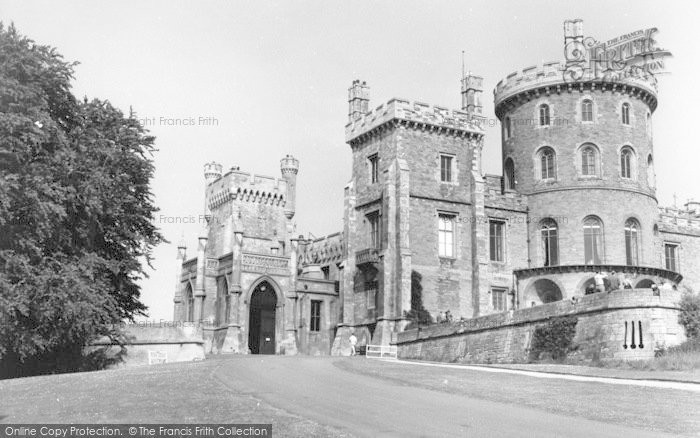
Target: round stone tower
x: 581, y: 150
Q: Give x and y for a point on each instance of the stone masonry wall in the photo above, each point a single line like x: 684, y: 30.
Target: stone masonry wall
x: 506, y: 337
x: 688, y: 255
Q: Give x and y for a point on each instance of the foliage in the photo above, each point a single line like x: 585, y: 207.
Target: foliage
x: 418, y: 315
x: 75, y: 214
x: 689, y: 317
x: 554, y: 338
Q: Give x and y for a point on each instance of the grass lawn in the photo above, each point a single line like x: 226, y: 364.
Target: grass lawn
x: 670, y: 411
x: 621, y: 371
x: 170, y: 393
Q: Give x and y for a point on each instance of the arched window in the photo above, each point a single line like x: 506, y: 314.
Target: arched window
x: 548, y: 163
x: 587, y: 110
x: 550, y: 242
x: 509, y: 171
x: 189, y: 302
x: 632, y: 241
x: 626, y: 163
x: 625, y: 113
x: 592, y: 240
x: 589, y: 157
x: 544, y: 115
x: 506, y: 126
x: 648, y: 124
x: 651, y: 176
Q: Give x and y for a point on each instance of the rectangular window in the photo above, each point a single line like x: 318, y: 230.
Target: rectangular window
x: 671, y: 256
x: 374, y: 230
x: 496, y: 240
x: 498, y: 298
x: 446, y: 168
x: 446, y: 227
x: 374, y: 168
x: 371, y: 289
x: 315, y: 319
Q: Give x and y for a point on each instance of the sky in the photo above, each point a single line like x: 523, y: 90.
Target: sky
x: 245, y: 83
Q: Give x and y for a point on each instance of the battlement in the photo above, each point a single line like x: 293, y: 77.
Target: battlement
x: 555, y: 74
x: 472, y: 82
x: 677, y: 220
x: 289, y: 165
x: 212, y: 171
x: 246, y: 187
x: 416, y: 112
x: 324, y: 250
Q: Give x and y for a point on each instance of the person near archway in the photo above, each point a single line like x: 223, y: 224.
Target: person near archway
x: 353, y: 342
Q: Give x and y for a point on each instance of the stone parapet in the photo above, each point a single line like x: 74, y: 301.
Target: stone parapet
x: 551, y: 77
x: 604, y: 327
x: 428, y: 116
x: 322, y: 251
x: 679, y: 221
x: 246, y: 187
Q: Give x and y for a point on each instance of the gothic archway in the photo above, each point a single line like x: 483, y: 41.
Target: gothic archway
x: 262, y: 319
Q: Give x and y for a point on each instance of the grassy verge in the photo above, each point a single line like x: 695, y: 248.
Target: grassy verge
x: 170, y: 393
x: 669, y: 411
x: 684, y: 357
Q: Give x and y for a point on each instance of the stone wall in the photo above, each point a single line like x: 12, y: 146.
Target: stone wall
x: 682, y: 228
x: 152, y: 344
x: 602, y: 318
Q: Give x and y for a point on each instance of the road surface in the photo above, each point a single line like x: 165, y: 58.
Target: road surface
x: 317, y: 389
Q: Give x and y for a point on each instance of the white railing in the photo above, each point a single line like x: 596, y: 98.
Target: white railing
x: 381, y: 351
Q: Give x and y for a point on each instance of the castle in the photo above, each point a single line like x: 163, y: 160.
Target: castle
x: 577, y: 197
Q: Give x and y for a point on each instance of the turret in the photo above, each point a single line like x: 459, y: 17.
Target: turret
x: 181, y: 251
x: 358, y: 100
x: 290, y: 167
x: 212, y: 172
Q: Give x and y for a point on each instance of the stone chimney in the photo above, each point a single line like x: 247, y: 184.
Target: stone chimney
x: 472, y: 87
x: 573, y: 29
x: 358, y: 100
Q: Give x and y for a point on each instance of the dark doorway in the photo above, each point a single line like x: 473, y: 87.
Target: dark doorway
x: 261, y: 324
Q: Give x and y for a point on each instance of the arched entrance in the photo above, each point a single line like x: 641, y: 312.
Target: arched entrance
x: 261, y: 321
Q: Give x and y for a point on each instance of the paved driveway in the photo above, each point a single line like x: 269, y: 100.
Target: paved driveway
x: 317, y: 389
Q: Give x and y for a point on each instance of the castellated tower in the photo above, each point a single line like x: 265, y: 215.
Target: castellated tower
x: 580, y: 147
x: 243, y: 277
x: 415, y: 168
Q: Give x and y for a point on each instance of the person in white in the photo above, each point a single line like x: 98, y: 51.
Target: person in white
x: 600, y: 281
x: 666, y: 286
x: 353, y: 342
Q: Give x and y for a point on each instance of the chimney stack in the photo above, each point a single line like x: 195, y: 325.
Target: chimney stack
x: 358, y: 100
x: 472, y: 87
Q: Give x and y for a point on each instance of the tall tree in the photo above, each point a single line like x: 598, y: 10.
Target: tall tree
x: 76, y: 214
